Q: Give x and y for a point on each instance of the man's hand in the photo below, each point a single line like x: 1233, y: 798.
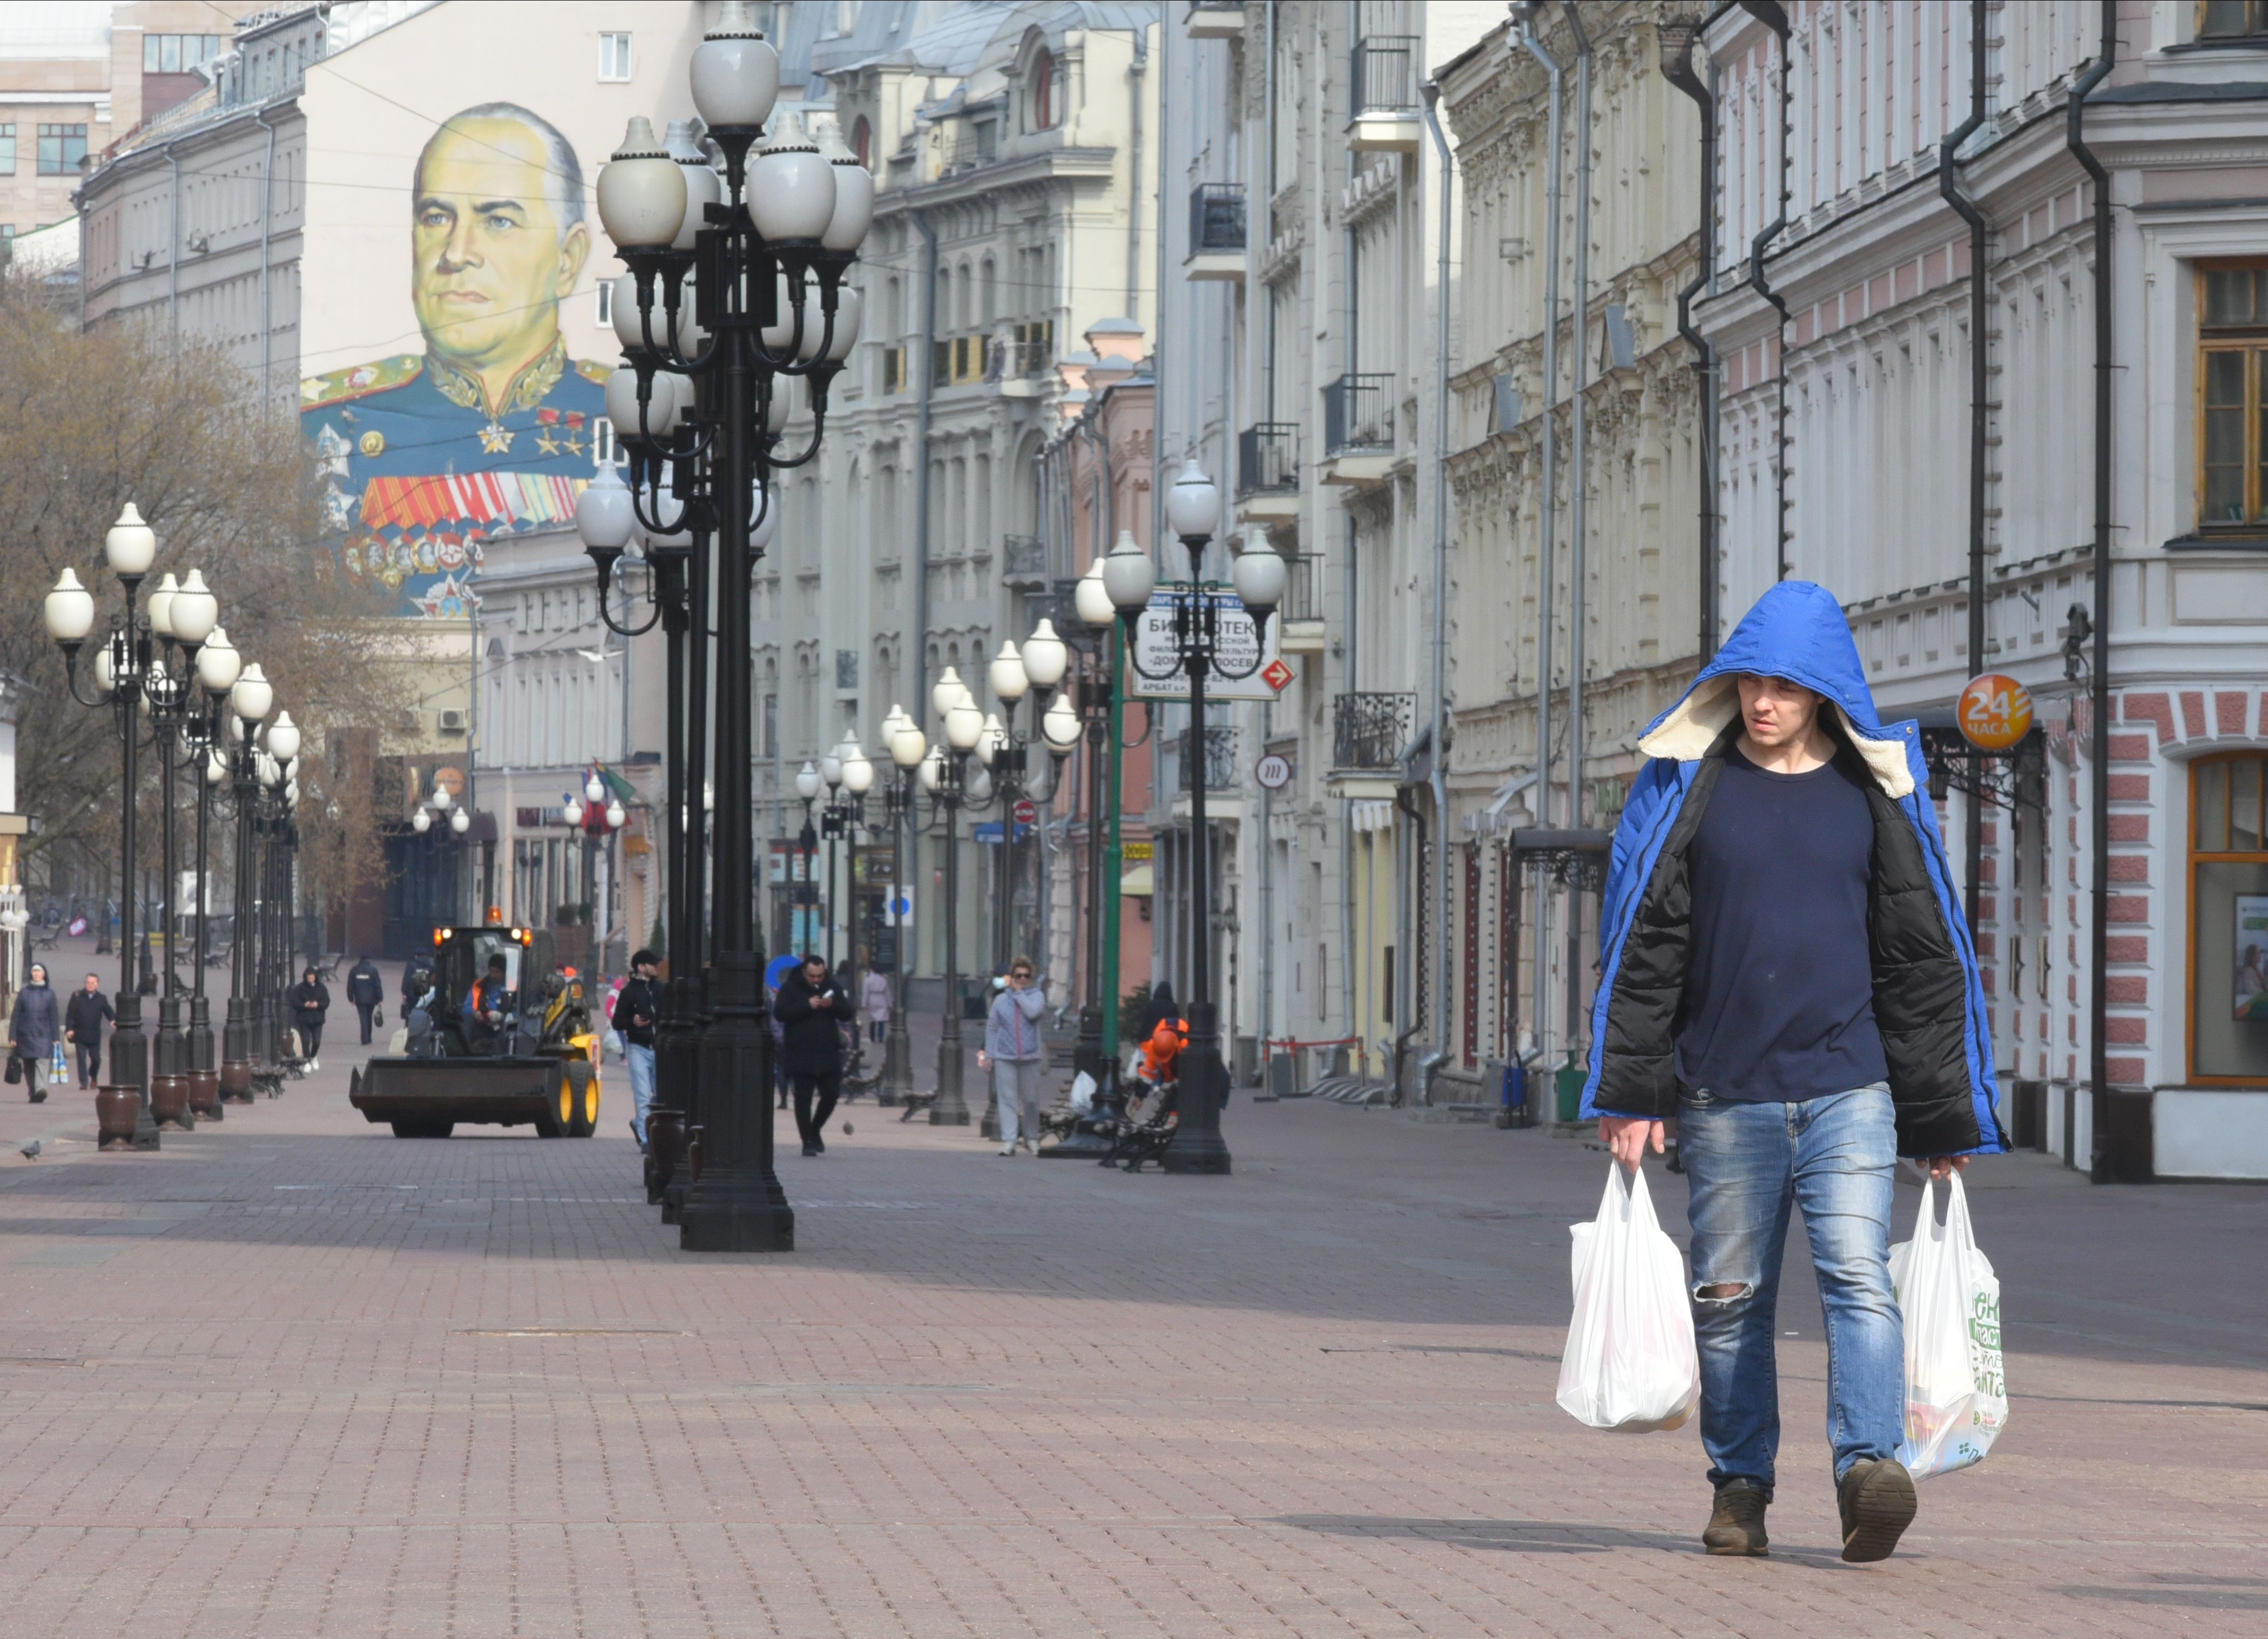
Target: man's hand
x: 1626, y: 1137
x: 1947, y: 1166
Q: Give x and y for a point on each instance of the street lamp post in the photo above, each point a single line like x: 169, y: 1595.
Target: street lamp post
x: 120, y: 668
x: 1193, y: 510
x: 907, y: 746
x: 806, y: 897
x: 945, y: 776
x: 181, y: 617
x: 248, y: 704
x: 218, y: 666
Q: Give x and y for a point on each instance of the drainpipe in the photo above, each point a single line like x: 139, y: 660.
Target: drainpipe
x: 921, y: 457
x: 267, y: 217
x: 1140, y: 73
x: 2101, y: 1167
x: 1407, y: 980
x: 1677, y: 37
x: 1948, y: 165
x: 1578, y: 470
x: 1774, y: 17
x: 174, y: 259
x: 1441, y: 587
x: 1548, y: 508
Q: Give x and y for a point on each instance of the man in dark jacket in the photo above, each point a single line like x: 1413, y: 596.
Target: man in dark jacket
x: 636, y: 1010
x: 811, y: 1010
x: 84, y: 1016
x: 33, y: 1029
x: 365, y: 989
x: 310, y: 1000
x: 1786, y: 972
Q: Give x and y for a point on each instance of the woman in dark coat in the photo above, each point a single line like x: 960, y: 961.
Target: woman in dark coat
x: 812, y: 1009
x: 33, y: 1029
x: 310, y: 1000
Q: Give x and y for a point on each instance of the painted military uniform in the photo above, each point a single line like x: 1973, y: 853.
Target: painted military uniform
x: 417, y: 472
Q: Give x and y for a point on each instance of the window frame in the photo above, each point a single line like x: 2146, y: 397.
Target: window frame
x: 2250, y: 342
x: 2254, y: 34
x: 8, y: 137
x: 1045, y: 115
x: 61, y: 131
x: 607, y: 40
x: 2193, y: 858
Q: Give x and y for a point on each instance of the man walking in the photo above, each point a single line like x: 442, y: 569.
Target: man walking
x: 1012, y: 1052
x: 635, y: 1008
x: 812, y: 1009
x: 1787, y: 973
x: 365, y: 989
x: 84, y: 1017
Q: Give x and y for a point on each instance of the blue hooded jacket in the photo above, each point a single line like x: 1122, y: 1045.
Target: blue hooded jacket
x: 1929, y: 999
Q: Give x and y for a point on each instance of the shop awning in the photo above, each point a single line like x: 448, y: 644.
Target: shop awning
x: 1142, y: 881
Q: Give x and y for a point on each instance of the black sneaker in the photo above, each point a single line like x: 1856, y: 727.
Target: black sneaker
x: 810, y: 1149
x: 1736, y: 1523
x: 1877, y: 1500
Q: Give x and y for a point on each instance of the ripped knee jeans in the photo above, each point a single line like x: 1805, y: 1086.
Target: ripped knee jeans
x: 1746, y: 1166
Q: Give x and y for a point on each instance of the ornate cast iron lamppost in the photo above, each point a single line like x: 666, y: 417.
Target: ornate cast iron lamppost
x: 907, y: 746
x: 249, y: 704
x: 1193, y: 510
x: 945, y: 776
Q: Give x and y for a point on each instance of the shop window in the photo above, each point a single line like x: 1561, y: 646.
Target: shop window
x: 2228, y: 920
x: 2232, y: 20
x: 2232, y: 357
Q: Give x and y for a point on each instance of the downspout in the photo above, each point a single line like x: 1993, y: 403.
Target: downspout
x: 1947, y: 166
x: 1579, y: 471
x: 1548, y: 510
x: 174, y: 259
x: 267, y: 216
x: 1412, y: 1023
x: 1439, y: 779
x: 922, y: 503
x: 1774, y: 17
x: 1140, y: 73
x: 2100, y: 1161
x: 1677, y: 37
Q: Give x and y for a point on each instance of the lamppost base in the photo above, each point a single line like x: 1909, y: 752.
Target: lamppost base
x: 169, y: 1102
x: 743, y: 1210
x: 236, y: 1081
x: 204, y: 1095
x: 1195, y: 1152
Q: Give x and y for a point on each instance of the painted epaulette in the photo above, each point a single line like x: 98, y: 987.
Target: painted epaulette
x: 338, y: 386
x: 591, y: 370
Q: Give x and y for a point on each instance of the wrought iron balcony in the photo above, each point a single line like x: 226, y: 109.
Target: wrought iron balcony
x: 1220, y: 759
x: 1386, y: 74
x: 1024, y: 563
x: 1368, y: 730
x: 1357, y: 414
x: 1216, y: 216
x: 1268, y: 458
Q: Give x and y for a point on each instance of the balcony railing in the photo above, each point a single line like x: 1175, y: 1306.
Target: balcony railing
x: 1220, y: 759
x: 1368, y: 730
x: 1024, y: 563
x: 1303, y: 589
x: 1386, y: 74
x: 1357, y: 414
x: 1268, y: 458
x: 1216, y: 216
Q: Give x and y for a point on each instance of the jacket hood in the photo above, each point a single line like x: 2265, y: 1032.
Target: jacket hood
x: 1796, y: 630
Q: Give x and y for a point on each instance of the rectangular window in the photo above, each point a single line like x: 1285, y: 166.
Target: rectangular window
x: 2232, y: 358
x: 893, y: 370
x: 2231, y: 19
x: 2228, y: 920
x: 63, y: 149
x: 605, y: 303
x: 613, y: 56
x: 169, y: 54
x: 7, y: 149
x: 603, y: 444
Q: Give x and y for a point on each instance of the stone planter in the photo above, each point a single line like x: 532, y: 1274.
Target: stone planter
x: 115, y: 1109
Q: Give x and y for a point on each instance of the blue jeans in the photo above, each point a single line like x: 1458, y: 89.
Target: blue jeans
x: 1746, y: 1163
x: 641, y: 1063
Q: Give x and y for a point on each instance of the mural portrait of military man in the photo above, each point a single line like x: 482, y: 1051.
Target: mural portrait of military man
x: 491, y: 429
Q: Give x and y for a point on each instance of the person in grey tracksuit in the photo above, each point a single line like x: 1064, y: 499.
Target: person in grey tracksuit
x: 1012, y: 1052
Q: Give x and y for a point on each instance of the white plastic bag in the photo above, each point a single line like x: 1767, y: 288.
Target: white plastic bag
x: 1956, y: 1390
x: 1082, y: 1094
x: 1630, y: 1363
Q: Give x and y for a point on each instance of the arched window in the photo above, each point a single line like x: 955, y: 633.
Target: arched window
x: 862, y: 142
x: 1044, y: 110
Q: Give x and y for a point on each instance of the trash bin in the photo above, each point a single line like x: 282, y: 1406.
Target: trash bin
x: 1571, y: 1087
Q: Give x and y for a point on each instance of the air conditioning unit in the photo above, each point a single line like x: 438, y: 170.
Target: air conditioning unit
x: 449, y: 722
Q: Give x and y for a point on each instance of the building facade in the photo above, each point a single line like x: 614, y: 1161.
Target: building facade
x: 1928, y: 198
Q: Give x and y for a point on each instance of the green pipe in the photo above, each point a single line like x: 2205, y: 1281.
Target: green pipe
x: 1113, y: 868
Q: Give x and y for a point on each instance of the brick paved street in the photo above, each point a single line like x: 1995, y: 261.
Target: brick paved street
x: 294, y: 1377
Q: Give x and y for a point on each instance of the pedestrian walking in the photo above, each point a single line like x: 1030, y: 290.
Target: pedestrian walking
x: 365, y: 989
x: 1788, y: 975
x: 311, y: 1000
x: 1012, y: 1052
x: 811, y: 1010
x: 85, y: 1014
x: 416, y: 980
x: 874, y: 996
x: 33, y: 1028
x: 636, y: 1006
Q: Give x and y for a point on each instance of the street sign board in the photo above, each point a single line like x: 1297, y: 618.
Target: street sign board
x: 900, y: 904
x: 988, y: 831
x: 1273, y: 772
x: 1994, y: 711
x: 1234, y: 649
x: 1027, y: 812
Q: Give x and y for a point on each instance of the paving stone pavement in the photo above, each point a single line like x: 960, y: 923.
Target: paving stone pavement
x: 294, y: 1377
